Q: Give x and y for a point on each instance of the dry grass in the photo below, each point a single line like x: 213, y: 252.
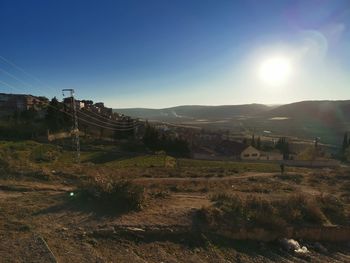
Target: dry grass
x: 256, y: 211
x: 111, y: 195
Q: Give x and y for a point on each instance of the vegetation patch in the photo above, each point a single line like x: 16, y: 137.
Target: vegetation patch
x: 111, y: 195
x: 298, y: 210
x: 141, y: 161
x: 45, y: 153
x: 296, y: 178
x: 235, y: 167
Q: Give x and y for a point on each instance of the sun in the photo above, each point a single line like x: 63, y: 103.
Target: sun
x: 275, y: 71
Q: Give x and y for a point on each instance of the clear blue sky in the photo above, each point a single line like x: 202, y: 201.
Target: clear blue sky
x: 166, y: 53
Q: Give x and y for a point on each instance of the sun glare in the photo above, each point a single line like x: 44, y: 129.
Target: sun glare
x: 275, y: 71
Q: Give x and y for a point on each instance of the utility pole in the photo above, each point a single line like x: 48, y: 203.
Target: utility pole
x: 75, y: 128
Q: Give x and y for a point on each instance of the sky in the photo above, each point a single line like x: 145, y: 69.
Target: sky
x: 166, y: 53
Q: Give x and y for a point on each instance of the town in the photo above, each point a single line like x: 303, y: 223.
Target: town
x: 102, y: 123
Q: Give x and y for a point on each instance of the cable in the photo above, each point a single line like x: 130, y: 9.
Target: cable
x: 109, y: 128
x: 38, y: 80
x: 35, y: 78
x: 101, y: 116
x: 121, y: 125
x: 14, y: 77
x: 26, y: 73
x: 110, y: 124
x: 81, y: 119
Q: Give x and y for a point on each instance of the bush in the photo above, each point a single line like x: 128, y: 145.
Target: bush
x: 44, y: 153
x: 4, y: 165
x: 300, y: 210
x: 276, y: 214
x: 113, y: 195
x: 297, y: 178
x: 333, y: 208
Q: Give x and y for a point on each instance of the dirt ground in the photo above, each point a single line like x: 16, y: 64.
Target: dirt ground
x: 38, y: 223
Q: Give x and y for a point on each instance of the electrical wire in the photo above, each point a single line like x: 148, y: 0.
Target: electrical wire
x: 114, y: 124
x: 100, y: 116
x: 79, y: 118
x: 6, y: 60
x: 118, y: 125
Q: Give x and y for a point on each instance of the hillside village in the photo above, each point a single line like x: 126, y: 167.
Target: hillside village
x: 165, y: 187
x: 175, y: 131
x: 100, y: 122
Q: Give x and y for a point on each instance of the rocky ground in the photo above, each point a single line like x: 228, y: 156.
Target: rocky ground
x: 39, y: 223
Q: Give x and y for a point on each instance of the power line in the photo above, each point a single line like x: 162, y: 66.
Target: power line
x: 101, y: 116
x: 14, y: 77
x: 79, y: 118
x: 116, y: 124
x: 75, y: 124
x: 119, y: 125
x: 35, y: 78
x: 109, y: 128
x: 122, y: 128
x: 26, y: 73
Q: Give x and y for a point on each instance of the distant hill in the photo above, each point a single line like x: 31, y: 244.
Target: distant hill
x: 327, y: 112
x: 306, y: 119
x: 326, y: 119
x: 192, y: 112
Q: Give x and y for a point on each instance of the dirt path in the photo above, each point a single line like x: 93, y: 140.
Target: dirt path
x: 32, y: 211
x: 205, y: 179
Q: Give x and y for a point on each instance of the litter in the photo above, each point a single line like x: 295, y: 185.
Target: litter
x: 291, y: 244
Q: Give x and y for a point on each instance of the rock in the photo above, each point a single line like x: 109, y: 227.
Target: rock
x: 293, y: 245
x: 290, y: 244
x: 302, y: 250
x: 135, y: 229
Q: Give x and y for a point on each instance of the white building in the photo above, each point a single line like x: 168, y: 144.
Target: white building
x: 250, y: 153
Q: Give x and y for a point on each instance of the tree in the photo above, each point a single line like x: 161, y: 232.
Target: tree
x: 156, y: 141
x: 28, y: 116
x: 258, y: 143
x: 345, y: 142
x: 283, y: 146
x: 55, y: 118
x: 151, y: 137
x: 253, y: 141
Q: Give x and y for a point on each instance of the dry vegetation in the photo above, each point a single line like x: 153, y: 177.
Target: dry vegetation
x: 100, y: 210
x: 255, y: 211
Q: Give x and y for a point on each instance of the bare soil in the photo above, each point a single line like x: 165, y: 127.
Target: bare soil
x: 39, y: 223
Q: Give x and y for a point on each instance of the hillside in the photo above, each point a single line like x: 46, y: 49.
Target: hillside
x: 190, y: 112
x: 306, y: 119
x: 328, y: 112
x: 326, y: 119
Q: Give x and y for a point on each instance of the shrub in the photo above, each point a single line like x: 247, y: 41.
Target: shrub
x: 277, y: 214
x: 44, y: 153
x: 4, y: 165
x: 333, y: 208
x: 297, y: 178
x: 300, y: 209
x: 113, y: 195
